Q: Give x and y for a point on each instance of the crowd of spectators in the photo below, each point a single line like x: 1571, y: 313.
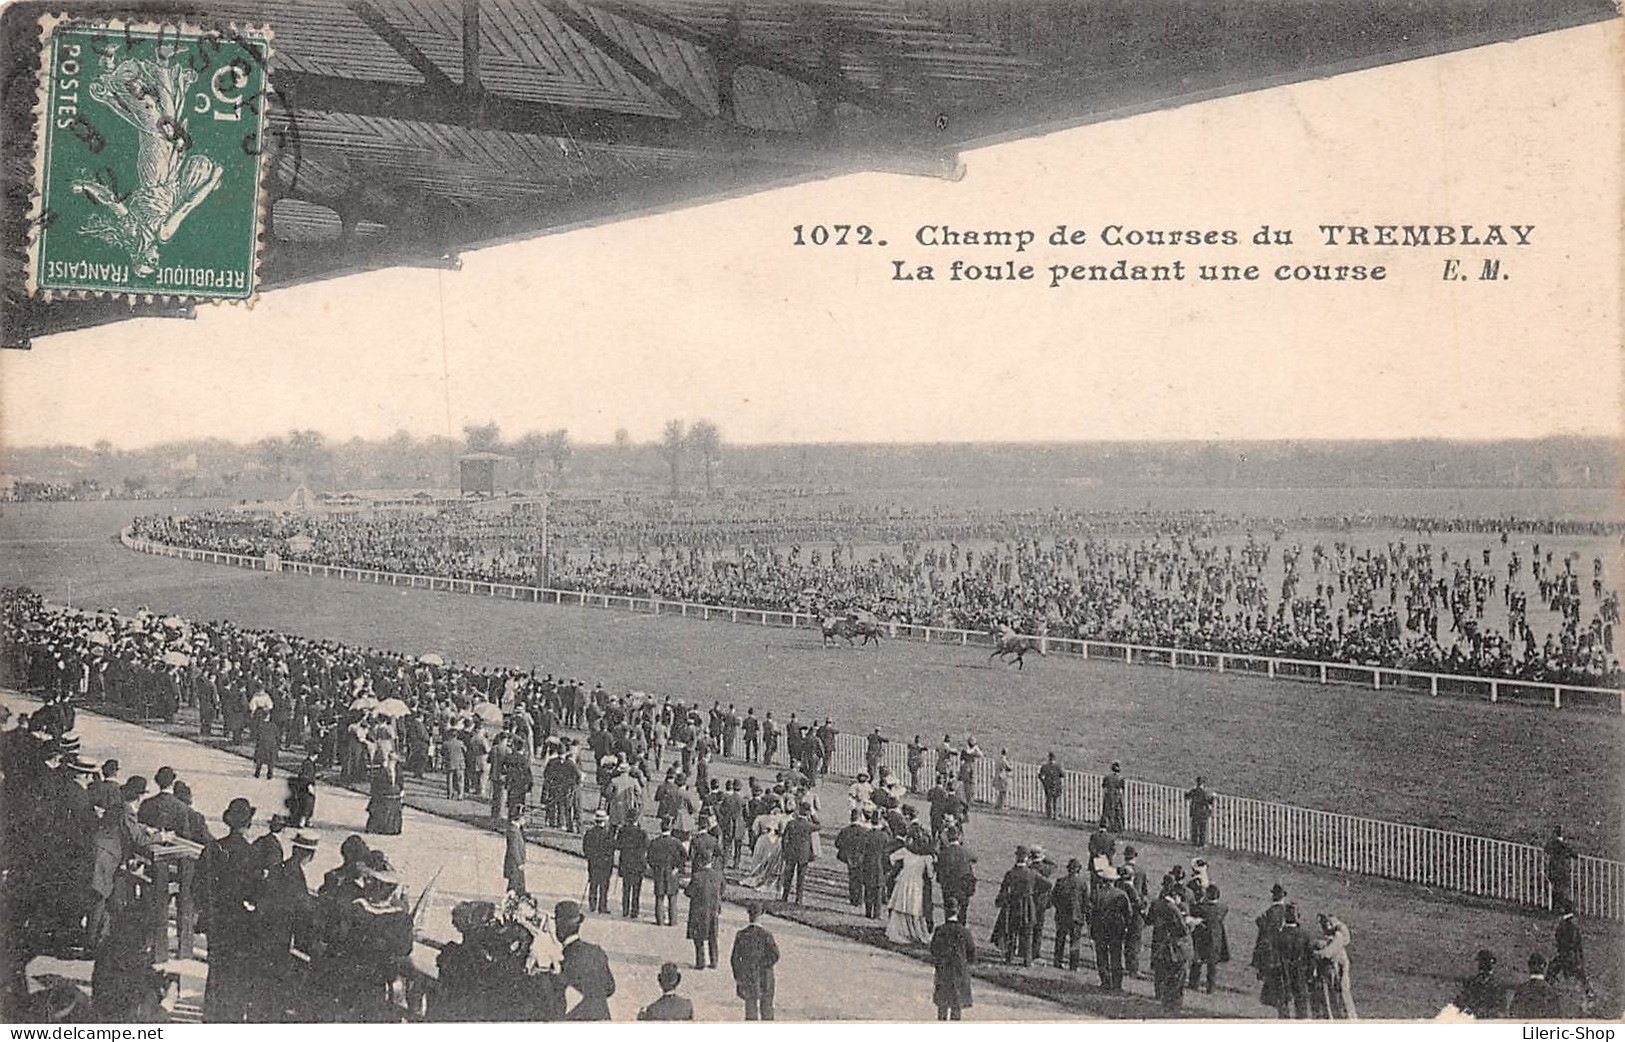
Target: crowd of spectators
x: 1143, y: 577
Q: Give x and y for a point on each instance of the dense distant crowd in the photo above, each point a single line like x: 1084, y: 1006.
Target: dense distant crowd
x: 1144, y: 577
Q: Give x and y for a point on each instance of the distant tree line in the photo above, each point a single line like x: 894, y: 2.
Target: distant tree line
x: 687, y: 458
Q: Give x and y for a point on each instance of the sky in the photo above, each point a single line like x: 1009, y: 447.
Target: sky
x: 711, y: 312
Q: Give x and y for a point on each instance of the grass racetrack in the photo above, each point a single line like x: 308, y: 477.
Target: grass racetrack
x: 1498, y: 770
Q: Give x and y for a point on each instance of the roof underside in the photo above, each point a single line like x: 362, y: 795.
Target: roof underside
x: 404, y: 131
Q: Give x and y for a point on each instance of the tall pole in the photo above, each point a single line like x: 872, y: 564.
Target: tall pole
x: 542, y: 570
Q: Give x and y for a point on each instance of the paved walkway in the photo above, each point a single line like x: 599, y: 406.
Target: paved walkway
x: 821, y: 976
x: 1411, y: 946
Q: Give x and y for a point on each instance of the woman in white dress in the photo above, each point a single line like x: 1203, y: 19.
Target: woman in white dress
x: 767, y: 857
x: 908, y: 921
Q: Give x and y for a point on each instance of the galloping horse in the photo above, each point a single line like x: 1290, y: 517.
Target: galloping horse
x: 1008, y: 643
x: 849, y: 627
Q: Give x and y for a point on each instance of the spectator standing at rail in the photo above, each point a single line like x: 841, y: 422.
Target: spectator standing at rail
x: 1560, y: 859
x: 915, y: 763
x: 874, y: 747
x: 1051, y: 778
x: 752, y: 730
x: 1201, y: 799
x: 1112, y: 799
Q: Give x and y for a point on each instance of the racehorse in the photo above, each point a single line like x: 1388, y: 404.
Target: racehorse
x: 1008, y: 643
x: 847, y: 626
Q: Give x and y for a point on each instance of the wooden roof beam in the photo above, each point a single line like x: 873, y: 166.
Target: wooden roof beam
x: 433, y: 76
x: 299, y: 91
x: 617, y: 52
x: 821, y: 80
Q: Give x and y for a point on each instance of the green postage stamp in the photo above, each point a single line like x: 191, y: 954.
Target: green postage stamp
x: 147, y: 160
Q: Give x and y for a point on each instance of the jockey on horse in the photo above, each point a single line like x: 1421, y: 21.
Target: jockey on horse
x: 858, y: 623
x: 1007, y: 643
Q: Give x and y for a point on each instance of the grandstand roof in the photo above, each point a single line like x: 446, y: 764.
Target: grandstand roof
x: 405, y: 131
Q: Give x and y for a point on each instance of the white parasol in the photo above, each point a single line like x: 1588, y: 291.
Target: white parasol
x: 175, y: 658
x: 391, y: 707
x: 488, y: 712
x: 364, y: 702
x: 431, y: 660
x: 99, y: 638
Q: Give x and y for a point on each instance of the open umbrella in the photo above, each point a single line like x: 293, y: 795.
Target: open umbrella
x: 431, y: 660
x: 175, y: 622
x: 488, y: 712
x: 99, y: 638
x: 391, y: 707
x: 364, y: 702
x: 175, y: 658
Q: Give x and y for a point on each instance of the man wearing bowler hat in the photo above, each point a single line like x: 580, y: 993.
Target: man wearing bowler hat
x: 584, y: 967
x: 670, y: 1005
x: 229, y: 871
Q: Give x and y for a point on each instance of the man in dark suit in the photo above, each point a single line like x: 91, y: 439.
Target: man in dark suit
x: 956, y: 869
x: 1210, y: 941
x: 1170, y: 947
x: 1069, y: 897
x: 1013, y: 930
x: 872, y: 863
x: 1570, y: 960
x: 1483, y: 997
x: 731, y: 821
x: 632, y: 848
x: 798, y: 852
x: 705, y: 845
x: 670, y: 1005
x: 231, y: 879
x: 1110, y: 911
x: 705, y: 889
x: 1535, y: 998
x: 598, y: 847
x: 104, y: 791
x: 1201, y: 799
x: 847, y: 842
x: 1043, y: 869
x: 1293, y: 968
x: 1269, y: 923
x: 754, y: 955
x: 584, y: 968
x: 952, y: 953
x: 664, y: 860
x: 288, y: 916
x: 1112, y: 801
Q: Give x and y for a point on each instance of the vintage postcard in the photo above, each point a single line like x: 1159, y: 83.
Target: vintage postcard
x: 879, y: 513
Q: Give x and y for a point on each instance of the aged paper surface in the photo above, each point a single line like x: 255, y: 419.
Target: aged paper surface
x: 1248, y: 445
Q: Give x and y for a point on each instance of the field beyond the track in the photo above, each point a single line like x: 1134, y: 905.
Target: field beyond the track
x: 1505, y: 771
